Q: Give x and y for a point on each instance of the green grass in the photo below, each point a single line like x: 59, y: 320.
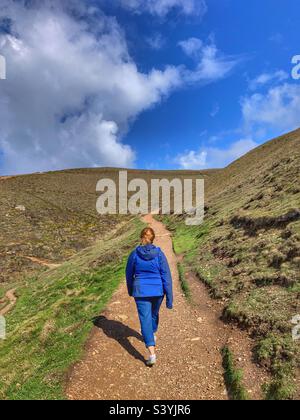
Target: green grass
x: 183, y: 282
x: 52, y: 319
x: 242, y: 257
x: 186, y: 239
x: 247, y: 251
x: 271, y: 351
x: 233, y: 377
x: 281, y: 388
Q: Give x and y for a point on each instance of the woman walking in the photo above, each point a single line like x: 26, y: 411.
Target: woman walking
x: 149, y: 279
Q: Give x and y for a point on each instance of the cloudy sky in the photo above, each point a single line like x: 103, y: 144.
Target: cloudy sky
x: 153, y: 84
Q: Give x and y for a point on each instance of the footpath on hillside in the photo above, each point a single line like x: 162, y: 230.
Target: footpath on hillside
x: 12, y: 300
x: 189, y: 345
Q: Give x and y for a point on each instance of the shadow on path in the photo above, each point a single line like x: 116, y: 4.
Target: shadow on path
x: 119, y: 332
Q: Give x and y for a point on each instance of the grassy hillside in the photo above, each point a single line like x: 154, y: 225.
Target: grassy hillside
x: 248, y: 252
x: 51, y: 218
x: 53, y: 317
x: 59, y: 219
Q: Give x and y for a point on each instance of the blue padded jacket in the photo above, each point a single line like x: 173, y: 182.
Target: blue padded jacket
x: 148, y: 274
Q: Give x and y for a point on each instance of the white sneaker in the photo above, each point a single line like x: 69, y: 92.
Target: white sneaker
x: 155, y: 338
x: 151, y: 361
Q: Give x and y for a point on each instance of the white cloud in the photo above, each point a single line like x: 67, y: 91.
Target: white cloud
x: 266, y: 78
x: 213, y: 157
x: 156, y: 42
x: 70, y: 93
x: 72, y: 88
x: 163, y: 7
x: 192, y: 160
x: 192, y: 47
x: 279, y: 108
x: 211, y: 63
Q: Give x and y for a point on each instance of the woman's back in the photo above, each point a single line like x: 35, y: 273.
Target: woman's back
x: 149, y: 279
x: 147, y: 262
x: 148, y: 273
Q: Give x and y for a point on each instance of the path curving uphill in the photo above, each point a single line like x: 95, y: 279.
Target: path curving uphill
x: 11, y: 297
x: 189, y: 362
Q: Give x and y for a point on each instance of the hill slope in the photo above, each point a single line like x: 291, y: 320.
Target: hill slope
x: 52, y: 318
x: 52, y: 216
x: 248, y: 251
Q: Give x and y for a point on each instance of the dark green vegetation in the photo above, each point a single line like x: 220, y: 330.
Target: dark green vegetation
x: 233, y: 377
x: 248, y: 251
x: 53, y: 317
x: 183, y: 282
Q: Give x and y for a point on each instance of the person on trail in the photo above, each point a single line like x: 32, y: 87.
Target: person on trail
x: 149, y: 279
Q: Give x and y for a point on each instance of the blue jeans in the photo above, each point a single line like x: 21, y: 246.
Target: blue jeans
x: 148, y: 310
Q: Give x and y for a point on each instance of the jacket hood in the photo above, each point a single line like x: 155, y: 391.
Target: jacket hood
x: 147, y: 252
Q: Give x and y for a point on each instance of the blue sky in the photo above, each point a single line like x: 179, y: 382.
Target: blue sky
x: 262, y: 33
x: 154, y: 84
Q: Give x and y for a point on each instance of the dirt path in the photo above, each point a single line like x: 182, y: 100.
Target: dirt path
x: 189, y: 343
x: 42, y: 262
x: 10, y: 296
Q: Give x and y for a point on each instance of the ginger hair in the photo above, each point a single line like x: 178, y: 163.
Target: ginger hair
x: 147, y: 236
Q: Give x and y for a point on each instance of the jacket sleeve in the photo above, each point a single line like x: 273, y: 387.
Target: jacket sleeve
x: 130, y: 272
x: 166, y: 277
